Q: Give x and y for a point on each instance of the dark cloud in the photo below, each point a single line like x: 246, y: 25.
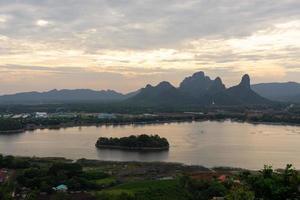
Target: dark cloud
x: 124, y: 44
x: 143, y: 24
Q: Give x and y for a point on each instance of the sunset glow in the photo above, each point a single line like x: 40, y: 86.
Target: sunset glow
x: 101, y: 44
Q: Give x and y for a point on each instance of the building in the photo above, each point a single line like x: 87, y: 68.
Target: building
x: 25, y: 116
x: 41, y: 115
x: 3, y: 175
x: 222, y: 178
x: 17, y: 116
x: 7, y: 115
x: 106, y: 116
x: 61, y: 188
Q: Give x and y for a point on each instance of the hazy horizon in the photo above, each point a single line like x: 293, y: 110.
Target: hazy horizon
x: 134, y: 90
x: 124, y: 45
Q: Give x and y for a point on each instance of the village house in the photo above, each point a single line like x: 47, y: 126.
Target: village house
x: 3, y: 175
x: 61, y: 188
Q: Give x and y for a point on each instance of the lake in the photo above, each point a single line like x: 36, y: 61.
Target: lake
x: 207, y: 143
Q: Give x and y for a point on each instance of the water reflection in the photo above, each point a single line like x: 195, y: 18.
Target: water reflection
x: 121, y: 155
x: 208, y: 143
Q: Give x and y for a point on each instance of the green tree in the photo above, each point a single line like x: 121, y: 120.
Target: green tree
x: 61, y: 196
x: 267, y: 172
x: 31, y: 196
x: 240, y: 194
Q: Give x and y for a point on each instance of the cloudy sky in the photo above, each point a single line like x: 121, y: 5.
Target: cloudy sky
x: 125, y: 44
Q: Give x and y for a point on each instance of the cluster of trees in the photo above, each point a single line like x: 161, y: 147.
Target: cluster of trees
x: 43, y: 176
x: 12, y: 162
x: 287, y: 118
x: 274, y: 185
x: 10, y: 124
x: 267, y: 184
x: 70, y: 174
x: 203, y: 189
x: 134, y: 142
x: 295, y: 109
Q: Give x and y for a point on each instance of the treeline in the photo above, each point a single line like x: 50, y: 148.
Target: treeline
x: 290, y: 119
x: 267, y: 184
x: 11, y: 124
x: 114, y: 107
x: 32, y: 123
x: 12, y: 162
x: 134, y: 142
x: 125, y: 108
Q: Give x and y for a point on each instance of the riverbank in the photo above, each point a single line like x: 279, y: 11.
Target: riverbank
x: 164, y: 167
x: 32, y: 127
x: 14, y: 131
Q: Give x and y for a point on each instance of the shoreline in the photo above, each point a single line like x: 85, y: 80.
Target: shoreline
x: 74, y: 125
x: 141, y: 149
x: 13, y: 131
x: 148, y: 163
x: 88, y: 161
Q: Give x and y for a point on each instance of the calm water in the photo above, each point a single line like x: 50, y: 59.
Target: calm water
x: 202, y: 143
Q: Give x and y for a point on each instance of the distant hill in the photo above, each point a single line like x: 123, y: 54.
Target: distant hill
x: 199, y: 85
x: 62, y: 96
x: 295, y: 98
x: 287, y: 92
x: 243, y: 94
x: 199, y: 89
x: 162, y: 94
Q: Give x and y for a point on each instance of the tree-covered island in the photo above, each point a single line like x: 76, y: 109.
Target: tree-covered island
x: 140, y: 142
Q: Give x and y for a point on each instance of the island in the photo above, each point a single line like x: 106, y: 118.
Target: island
x: 137, y: 143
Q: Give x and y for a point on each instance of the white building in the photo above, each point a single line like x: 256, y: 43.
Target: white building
x: 18, y: 116
x: 41, y: 115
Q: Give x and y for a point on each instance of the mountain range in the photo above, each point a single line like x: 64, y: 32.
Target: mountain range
x: 285, y: 92
x: 60, y: 96
x: 197, y: 89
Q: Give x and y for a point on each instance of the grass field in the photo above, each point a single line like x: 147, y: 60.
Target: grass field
x: 105, y: 181
x: 148, y: 190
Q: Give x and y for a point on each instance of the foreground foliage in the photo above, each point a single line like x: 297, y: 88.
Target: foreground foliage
x: 31, y: 177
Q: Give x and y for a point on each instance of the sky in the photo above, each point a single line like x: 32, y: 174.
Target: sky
x: 126, y: 44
